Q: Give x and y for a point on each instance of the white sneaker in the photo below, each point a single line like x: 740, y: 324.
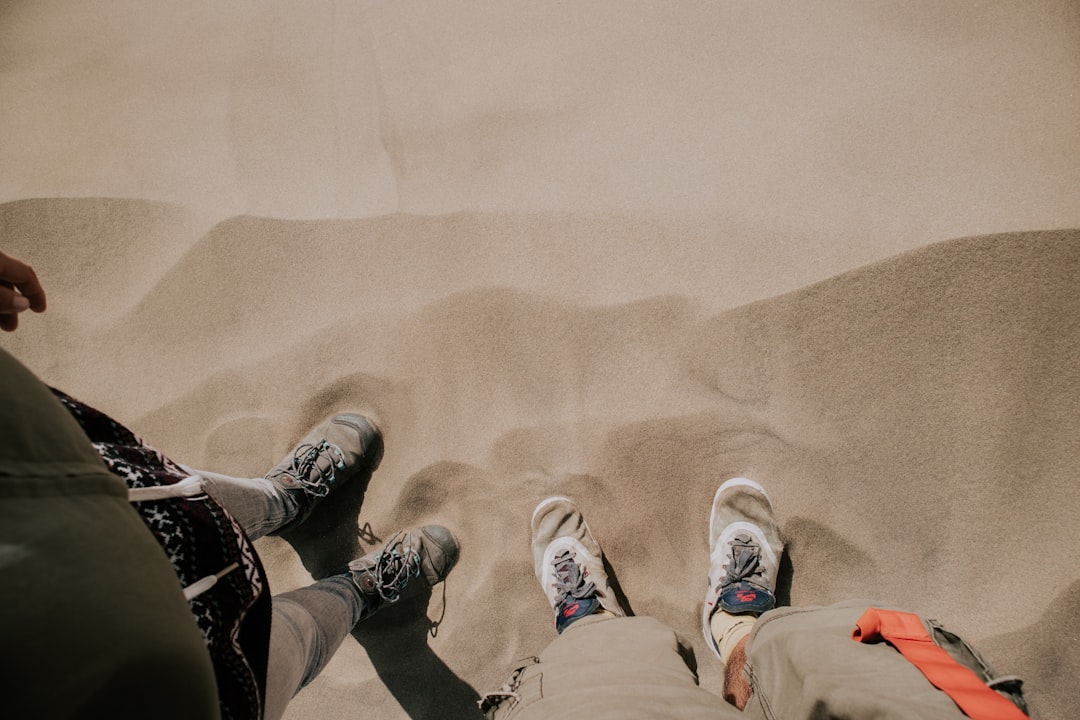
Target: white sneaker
x: 744, y: 558
x: 569, y: 563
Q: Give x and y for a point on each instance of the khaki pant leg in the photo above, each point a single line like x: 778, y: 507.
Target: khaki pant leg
x: 802, y: 663
x: 612, y: 668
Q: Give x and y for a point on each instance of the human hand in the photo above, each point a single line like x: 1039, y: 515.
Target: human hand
x: 19, y: 291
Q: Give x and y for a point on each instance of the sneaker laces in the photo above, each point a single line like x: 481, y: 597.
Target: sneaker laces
x: 394, y: 568
x: 570, y: 580
x: 304, y: 467
x: 745, y: 564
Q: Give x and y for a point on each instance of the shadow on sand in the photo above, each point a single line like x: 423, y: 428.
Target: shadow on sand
x: 396, y: 639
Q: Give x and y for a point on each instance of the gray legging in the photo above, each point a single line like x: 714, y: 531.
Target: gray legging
x: 308, y: 624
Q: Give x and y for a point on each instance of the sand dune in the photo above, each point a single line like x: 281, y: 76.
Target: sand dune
x: 915, y: 420
x: 618, y: 250
x: 148, y: 279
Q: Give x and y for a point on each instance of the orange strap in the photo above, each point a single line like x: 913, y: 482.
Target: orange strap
x: 906, y: 633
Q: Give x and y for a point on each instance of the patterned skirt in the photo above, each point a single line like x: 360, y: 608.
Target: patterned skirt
x: 200, y: 539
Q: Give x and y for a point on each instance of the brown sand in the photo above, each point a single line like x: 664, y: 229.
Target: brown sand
x: 622, y: 256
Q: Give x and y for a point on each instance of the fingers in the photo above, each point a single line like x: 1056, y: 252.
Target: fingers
x: 20, y: 290
x: 11, y: 304
x: 17, y: 274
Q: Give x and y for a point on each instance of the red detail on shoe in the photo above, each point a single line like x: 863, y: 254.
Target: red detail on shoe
x: 570, y: 609
x: 745, y: 595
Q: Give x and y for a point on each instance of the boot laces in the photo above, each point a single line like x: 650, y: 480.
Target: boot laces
x: 395, y: 566
x: 305, y: 469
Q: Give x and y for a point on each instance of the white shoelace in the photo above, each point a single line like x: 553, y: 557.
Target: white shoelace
x: 189, y: 488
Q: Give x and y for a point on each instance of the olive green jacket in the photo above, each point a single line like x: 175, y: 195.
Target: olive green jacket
x: 94, y: 622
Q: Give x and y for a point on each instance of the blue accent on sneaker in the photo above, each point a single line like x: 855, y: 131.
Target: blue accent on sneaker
x: 572, y: 610
x: 743, y: 597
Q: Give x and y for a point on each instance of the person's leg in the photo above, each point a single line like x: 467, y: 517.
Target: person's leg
x: 730, y: 633
x: 736, y: 687
x: 602, y: 663
x: 608, y: 666
x: 745, y: 549
x: 329, y: 456
x: 803, y: 662
x: 310, y: 624
x: 259, y: 505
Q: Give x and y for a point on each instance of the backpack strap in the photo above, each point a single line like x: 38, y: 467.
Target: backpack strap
x: 905, y: 632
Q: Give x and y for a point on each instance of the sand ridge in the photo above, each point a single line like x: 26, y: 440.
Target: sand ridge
x: 619, y: 250
x: 914, y: 420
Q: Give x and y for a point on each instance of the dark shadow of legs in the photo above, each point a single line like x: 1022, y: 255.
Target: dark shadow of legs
x: 616, y: 588
x: 784, y: 575
x: 328, y: 539
x: 396, y: 640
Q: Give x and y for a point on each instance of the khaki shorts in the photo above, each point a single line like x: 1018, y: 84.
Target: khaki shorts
x: 802, y: 663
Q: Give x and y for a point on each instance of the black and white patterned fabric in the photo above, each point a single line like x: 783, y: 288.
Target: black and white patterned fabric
x: 200, y: 538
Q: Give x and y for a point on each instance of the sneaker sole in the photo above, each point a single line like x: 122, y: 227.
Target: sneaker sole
x: 562, y: 498
x: 733, y: 482
x: 551, y: 501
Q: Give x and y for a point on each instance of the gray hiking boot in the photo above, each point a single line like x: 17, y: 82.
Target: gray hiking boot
x: 329, y: 456
x: 569, y: 563
x: 745, y: 549
x: 410, y: 562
